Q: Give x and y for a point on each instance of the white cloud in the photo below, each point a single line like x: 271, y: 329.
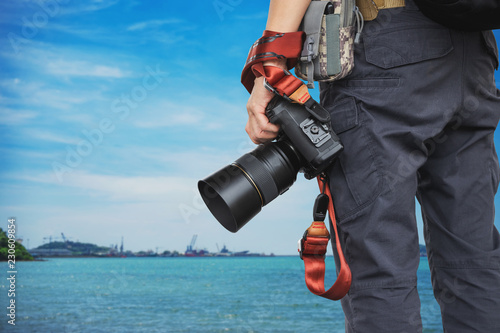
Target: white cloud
x: 83, y: 68
x: 58, y: 98
x: 32, y: 155
x: 77, y: 117
x: 88, y: 6
x: 16, y: 117
x: 51, y: 136
x: 39, y: 58
x: 190, y: 117
x: 193, y: 162
x: 43, y: 98
x: 202, y: 112
x: 152, y: 24
x: 118, y: 188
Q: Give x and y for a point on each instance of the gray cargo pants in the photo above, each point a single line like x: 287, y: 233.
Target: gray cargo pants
x: 417, y: 118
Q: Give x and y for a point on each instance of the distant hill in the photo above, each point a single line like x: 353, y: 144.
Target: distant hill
x: 76, y: 248
x: 20, y: 254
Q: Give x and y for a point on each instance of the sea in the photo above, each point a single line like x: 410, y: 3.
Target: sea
x: 205, y: 294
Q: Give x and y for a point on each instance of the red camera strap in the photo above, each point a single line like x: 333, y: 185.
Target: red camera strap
x: 313, y: 253
x: 275, y: 46
x: 315, y: 265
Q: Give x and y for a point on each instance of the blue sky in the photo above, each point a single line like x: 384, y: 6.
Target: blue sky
x: 110, y: 111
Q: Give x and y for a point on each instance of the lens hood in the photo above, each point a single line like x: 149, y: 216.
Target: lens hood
x: 231, y: 196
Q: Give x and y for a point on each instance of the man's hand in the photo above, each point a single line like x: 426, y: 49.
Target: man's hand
x: 258, y: 127
x: 284, y: 16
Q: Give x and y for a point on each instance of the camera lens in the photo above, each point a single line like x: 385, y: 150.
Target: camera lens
x: 237, y: 192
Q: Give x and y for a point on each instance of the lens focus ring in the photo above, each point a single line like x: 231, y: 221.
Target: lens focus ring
x: 260, y: 176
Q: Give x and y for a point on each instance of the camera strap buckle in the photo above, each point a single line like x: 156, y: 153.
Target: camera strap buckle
x: 315, y: 239
x: 283, y: 83
x: 313, y: 245
x: 269, y: 87
x: 314, y: 242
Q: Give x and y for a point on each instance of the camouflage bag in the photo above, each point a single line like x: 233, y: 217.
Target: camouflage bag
x: 330, y: 27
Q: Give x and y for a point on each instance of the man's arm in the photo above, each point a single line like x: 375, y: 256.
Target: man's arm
x: 284, y: 16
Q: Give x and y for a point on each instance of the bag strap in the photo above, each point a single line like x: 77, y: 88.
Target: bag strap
x: 312, y: 249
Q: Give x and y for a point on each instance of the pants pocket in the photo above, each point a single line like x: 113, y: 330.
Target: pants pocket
x: 401, y: 47
x: 354, y: 178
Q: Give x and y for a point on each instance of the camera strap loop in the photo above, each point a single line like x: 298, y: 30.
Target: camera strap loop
x: 312, y: 249
x: 276, y: 46
x: 272, y: 46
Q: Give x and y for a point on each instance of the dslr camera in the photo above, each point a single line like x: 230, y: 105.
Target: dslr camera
x: 305, y: 143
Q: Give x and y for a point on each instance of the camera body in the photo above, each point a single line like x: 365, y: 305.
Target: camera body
x: 314, y: 140
x: 306, y: 143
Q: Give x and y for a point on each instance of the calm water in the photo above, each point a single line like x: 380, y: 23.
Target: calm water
x: 178, y: 295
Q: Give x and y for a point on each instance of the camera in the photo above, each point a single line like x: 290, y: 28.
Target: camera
x: 305, y: 143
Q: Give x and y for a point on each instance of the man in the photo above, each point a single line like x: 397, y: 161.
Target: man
x: 417, y: 117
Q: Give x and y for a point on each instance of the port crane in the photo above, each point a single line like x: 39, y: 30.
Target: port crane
x: 191, y: 246
x: 191, y: 252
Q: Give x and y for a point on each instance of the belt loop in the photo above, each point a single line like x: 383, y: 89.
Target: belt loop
x: 370, y: 8
x: 393, y: 4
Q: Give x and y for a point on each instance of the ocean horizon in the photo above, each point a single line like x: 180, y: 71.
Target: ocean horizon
x: 204, y: 294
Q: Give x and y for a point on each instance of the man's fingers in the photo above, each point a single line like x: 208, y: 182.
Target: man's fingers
x: 261, y: 131
x: 263, y: 124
